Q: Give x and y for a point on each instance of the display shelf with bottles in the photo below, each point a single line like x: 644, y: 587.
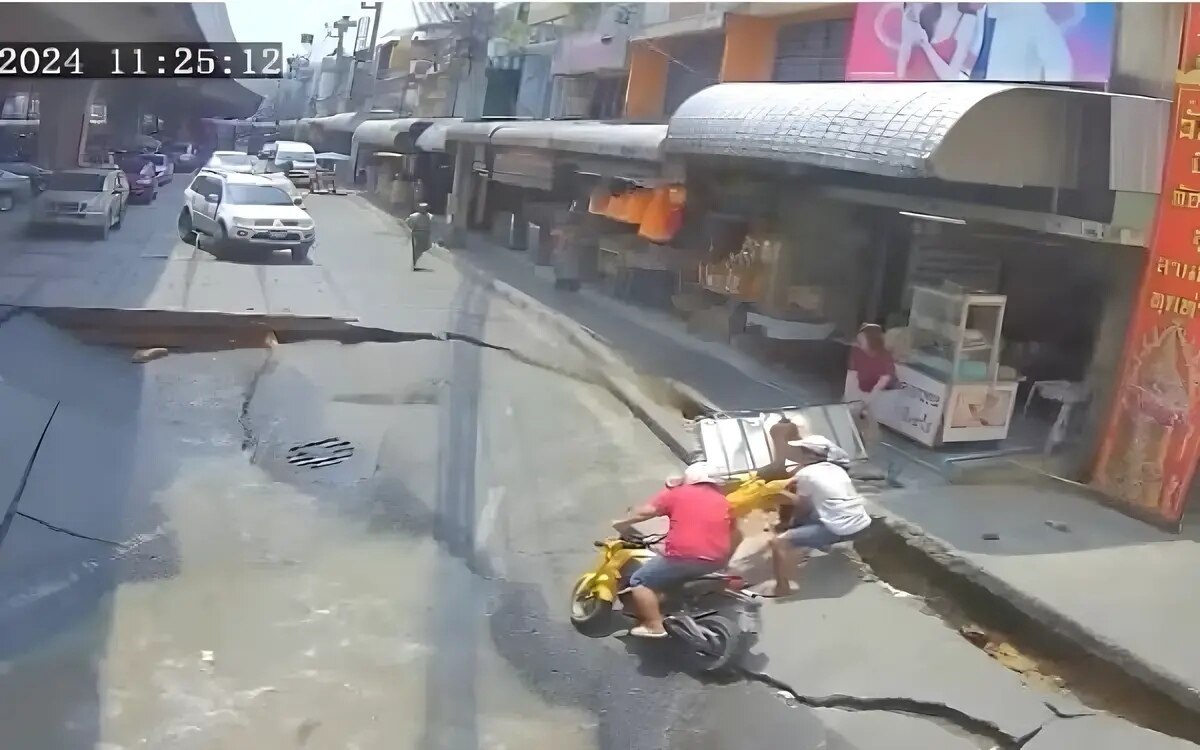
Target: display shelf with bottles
x: 956, y: 335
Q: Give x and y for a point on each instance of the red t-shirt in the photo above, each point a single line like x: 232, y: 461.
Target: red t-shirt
x: 700, y: 521
x: 871, y: 368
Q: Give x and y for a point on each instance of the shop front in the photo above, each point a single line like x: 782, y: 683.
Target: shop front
x: 383, y: 158
x: 1003, y: 282
x: 435, y: 168
x: 589, y: 201
x: 468, y: 145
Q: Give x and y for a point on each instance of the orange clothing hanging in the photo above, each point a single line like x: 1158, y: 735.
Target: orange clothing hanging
x: 599, y: 200
x: 664, y: 214
x: 633, y: 205
x: 615, y: 207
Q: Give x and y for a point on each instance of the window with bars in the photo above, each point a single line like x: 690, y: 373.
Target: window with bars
x: 608, y: 99
x: 813, y: 51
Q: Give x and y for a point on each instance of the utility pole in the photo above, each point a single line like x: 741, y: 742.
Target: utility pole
x: 378, y: 8
x: 373, y: 60
x: 470, y: 83
x: 342, y: 25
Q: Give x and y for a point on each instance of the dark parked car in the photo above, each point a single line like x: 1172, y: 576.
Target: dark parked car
x: 143, y: 180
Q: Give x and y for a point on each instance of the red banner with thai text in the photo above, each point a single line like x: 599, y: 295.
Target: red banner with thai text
x: 1152, y: 443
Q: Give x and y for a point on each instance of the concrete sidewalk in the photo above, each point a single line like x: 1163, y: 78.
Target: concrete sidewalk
x: 1113, y: 585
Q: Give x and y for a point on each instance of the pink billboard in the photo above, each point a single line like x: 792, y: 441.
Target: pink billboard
x: 1014, y: 42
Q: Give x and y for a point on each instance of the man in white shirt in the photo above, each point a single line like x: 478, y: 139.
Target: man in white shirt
x: 828, y: 509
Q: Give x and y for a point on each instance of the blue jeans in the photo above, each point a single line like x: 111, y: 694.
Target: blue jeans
x: 811, y: 533
x: 662, y: 573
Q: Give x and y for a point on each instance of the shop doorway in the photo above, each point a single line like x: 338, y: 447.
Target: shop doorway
x: 1064, y: 304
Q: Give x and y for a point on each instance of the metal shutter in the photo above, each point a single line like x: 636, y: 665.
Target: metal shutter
x: 694, y: 65
x: 814, y: 51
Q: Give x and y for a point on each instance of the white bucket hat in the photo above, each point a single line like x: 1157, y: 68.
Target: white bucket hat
x: 701, y: 472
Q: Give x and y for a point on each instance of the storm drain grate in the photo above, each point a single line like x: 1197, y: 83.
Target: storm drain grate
x: 320, y: 453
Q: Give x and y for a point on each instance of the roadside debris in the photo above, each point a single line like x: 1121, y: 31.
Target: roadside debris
x: 141, y: 356
x: 973, y: 634
x: 1058, y: 526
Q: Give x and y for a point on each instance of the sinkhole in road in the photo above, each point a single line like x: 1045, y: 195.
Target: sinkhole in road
x: 221, y: 331
x: 1041, y: 657
x: 185, y: 331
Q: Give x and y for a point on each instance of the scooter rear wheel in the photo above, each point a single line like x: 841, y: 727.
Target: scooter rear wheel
x: 728, y: 645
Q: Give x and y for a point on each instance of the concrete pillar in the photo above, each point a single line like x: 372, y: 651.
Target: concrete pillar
x: 459, y: 203
x: 124, y: 114
x: 65, y: 112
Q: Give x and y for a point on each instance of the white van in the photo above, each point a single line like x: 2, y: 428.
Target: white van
x: 301, y: 155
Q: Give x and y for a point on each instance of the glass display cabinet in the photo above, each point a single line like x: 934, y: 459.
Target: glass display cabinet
x: 950, y: 389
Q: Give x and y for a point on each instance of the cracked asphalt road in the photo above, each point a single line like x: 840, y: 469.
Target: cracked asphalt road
x: 414, y: 594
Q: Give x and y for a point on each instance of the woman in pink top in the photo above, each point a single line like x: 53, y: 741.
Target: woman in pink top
x: 872, y: 371
x: 939, y: 41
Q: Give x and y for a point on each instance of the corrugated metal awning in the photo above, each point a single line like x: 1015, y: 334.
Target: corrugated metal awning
x: 474, y: 132
x: 434, y: 137
x: 399, y: 134
x: 620, y: 140
x: 975, y: 132
x: 344, y: 122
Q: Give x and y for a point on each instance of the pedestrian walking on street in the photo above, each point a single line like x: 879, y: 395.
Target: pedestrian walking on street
x: 420, y: 225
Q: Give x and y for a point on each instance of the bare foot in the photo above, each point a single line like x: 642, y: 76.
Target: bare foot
x: 782, y: 590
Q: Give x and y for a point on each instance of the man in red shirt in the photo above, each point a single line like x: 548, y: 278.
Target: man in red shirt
x: 697, y: 542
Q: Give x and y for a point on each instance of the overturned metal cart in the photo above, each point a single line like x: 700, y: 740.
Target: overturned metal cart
x: 737, y: 442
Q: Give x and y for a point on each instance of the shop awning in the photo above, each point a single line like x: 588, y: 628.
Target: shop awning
x: 434, y: 137
x: 344, y: 122
x: 975, y: 132
x: 627, y: 141
x: 474, y: 132
x: 400, y: 134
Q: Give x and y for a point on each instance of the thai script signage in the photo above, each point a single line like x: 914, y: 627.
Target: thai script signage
x: 1152, y: 444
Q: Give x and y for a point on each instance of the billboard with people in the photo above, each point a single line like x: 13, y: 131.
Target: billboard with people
x: 1013, y: 42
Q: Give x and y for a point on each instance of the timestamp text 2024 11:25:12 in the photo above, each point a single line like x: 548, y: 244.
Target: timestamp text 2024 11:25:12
x: 141, y: 60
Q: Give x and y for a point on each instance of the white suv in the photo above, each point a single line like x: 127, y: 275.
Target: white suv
x: 235, y: 211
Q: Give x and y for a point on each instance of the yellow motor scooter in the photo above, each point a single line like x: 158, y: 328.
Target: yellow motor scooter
x: 712, y: 615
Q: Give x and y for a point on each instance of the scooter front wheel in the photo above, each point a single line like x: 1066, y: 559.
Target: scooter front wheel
x: 589, y: 613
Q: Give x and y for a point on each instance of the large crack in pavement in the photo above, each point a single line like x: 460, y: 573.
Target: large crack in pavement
x: 351, y: 334
x: 933, y: 710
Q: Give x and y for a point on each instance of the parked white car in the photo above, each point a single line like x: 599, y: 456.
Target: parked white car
x: 268, y: 170
x: 232, y: 161
x: 164, y: 168
x: 94, y: 197
x: 184, y: 155
x: 299, y: 157
x: 235, y: 211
